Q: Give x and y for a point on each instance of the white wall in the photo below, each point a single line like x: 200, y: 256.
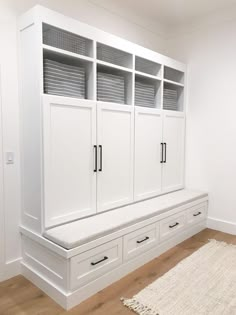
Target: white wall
x: 2, y: 252
x: 9, y: 10
x: 211, y: 125
x: 10, y: 201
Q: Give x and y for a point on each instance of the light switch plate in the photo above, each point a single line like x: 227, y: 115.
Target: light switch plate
x: 10, y: 157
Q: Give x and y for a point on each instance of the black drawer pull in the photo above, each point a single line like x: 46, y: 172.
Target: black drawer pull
x: 143, y: 240
x: 172, y: 226
x: 99, y: 261
x: 196, y: 214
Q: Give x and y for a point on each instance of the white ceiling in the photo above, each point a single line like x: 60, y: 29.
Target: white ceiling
x: 169, y: 13
x: 166, y: 18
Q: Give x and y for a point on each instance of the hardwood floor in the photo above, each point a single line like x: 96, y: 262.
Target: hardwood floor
x: 20, y: 297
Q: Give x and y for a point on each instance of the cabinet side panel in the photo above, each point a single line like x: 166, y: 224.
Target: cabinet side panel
x: 30, y: 128
x: 44, y: 263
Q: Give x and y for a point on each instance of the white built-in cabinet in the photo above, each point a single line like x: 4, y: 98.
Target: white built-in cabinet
x: 92, y: 162
x: 115, y: 139
x: 159, y: 152
x: 174, y: 143
x: 88, y: 157
x: 69, y: 135
x: 103, y: 121
x: 148, y: 153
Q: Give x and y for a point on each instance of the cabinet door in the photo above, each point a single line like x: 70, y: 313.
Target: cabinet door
x: 69, y: 178
x: 148, y: 166
x: 115, y: 129
x: 174, y: 137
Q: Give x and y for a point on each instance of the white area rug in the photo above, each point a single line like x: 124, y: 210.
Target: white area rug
x: 203, y: 283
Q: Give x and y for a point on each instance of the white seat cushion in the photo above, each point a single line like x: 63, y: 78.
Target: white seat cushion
x: 76, y: 233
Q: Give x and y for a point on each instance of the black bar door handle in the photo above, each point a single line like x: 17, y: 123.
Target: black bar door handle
x: 196, y: 214
x: 100, y: 148
x: 162, y: 152
x: 143, y: 240
x: 99, y: 261
x: 172, y: 226
x: 165, y: 152
x: 96, y: 158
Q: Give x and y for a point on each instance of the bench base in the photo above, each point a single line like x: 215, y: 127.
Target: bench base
x: 69, y: 279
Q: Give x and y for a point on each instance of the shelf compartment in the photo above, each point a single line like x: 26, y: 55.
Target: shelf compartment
x: 59, y: 38
x: 173, y: 75
x: 147, y: 66
x: 173, y: 97
x: 114, y: 85
x: 147, y: 92
x: 66, y: 76
x: 114, y: 56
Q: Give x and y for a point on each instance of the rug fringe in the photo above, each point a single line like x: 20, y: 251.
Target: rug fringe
x: 137, y: 307
x: 212, y: 240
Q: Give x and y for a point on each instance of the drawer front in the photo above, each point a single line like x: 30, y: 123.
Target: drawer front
x: 95, y: 262
x: 172, y: 225
x: 140, y: 241
x: 197, y: 213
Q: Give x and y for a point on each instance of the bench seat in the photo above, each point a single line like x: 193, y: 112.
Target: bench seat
x: 73, y: 234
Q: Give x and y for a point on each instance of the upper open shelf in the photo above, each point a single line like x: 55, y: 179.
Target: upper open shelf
x: 171, y: 74
x: 72, y: 68
x: 67, y: 76
x: 59, y: 38
x: 114, y: 56
x: 114, y: 85
x: 147, y: 66
x: 147, y: 92
x: 173, y: 97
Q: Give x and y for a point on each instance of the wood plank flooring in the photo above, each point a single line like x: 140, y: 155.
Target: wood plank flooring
x: 20, y: 297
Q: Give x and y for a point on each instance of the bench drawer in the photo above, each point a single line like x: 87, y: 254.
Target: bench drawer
x: 140, y: 241
x: 172, y: 225
x: 95, y: 262
x: 197, y: 213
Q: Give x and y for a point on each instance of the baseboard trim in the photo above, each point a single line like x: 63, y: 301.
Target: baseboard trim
x: 221, y: 225
x: 10, y: 269
x: 71, y: 299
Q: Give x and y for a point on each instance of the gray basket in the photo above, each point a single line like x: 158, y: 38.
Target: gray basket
x: 170, y: 99
x: 144, y: 94
x: 63, y: 79
x: 147, y: 66
x: 59, y: 38
x: 112, y: 55
x: 110, y: 88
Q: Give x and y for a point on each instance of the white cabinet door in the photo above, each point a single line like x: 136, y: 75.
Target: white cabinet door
x: 69, y: 177
x: 115, y: 129
x: 174, y: 143
x: 148, y: 166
